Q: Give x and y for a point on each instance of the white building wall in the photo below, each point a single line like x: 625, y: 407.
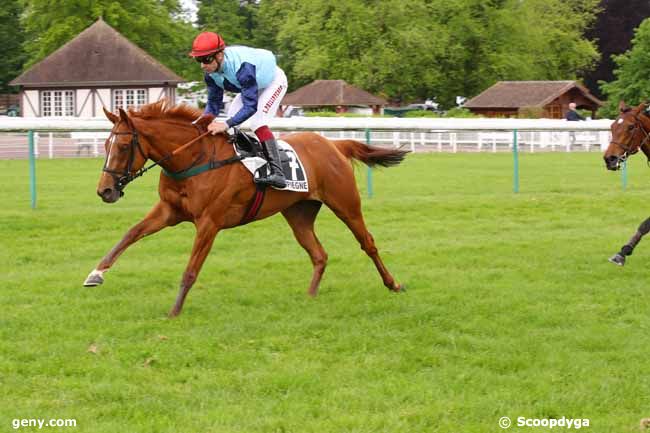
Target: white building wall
x: 156, y: 94
x: 30, y: 103
x: 102, y: 99
x: 84, y: 103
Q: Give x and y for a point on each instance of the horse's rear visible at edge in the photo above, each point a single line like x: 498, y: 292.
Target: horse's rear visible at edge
x: 156, y: 130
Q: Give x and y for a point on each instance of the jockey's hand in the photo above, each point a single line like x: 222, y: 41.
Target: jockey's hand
x: 203, y: 121
x: 217, y: 126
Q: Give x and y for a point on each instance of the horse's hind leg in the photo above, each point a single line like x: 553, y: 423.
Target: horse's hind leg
x: 301, y: 217
x: 347, y: 207
x: 628, y: 248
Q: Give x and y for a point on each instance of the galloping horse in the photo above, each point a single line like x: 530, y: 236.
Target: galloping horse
x: 630, y: 132
x: 220, y: 198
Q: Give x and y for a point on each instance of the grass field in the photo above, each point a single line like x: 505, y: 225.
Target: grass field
x: 512, y: 308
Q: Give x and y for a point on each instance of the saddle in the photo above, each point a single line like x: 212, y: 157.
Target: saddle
x: 246, y: 143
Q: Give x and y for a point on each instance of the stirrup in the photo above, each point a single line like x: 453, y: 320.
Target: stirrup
x: 274, y: 180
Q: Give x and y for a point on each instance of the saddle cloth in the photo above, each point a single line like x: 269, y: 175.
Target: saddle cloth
x: 292, y: 167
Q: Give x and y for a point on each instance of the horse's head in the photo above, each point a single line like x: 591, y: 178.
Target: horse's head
x: 125, y: 155
x: 630, y: 132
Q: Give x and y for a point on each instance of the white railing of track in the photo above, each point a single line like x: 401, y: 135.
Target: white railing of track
x: 79, y: 137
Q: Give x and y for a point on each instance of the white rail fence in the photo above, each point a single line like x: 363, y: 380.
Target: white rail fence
x: 71, y: 138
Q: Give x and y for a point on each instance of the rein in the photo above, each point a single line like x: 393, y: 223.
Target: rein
x: 122, y: 179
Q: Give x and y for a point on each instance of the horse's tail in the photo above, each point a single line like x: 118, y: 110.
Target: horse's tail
x: 370, y: 155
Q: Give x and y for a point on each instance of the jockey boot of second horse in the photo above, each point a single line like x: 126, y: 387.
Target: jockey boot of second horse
x: 275, y: 177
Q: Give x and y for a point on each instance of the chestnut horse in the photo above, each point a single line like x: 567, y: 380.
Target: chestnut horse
x: 219, y: 198
x: 630, y: 132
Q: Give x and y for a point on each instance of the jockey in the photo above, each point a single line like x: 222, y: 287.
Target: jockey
x: 260, y: 86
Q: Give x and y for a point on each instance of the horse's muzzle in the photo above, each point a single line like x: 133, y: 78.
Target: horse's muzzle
x: 110, y: 195
x: 613, y: 162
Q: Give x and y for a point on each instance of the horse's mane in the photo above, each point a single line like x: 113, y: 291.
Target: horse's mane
x: 163, y: 110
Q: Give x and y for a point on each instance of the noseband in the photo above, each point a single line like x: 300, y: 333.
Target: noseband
x: 123, y: 178
x: 627, y: 148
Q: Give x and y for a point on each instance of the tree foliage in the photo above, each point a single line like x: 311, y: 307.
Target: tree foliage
x: 403, y: 50
x: 416, y: 49
x: 13, y: 56
x: 632, y: 82
x: 153, y: 25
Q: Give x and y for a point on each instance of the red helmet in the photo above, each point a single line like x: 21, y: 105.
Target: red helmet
x: 207, y: 43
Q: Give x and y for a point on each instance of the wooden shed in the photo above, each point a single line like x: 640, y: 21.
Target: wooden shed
x: 98, y: 68
x: 336, y: 94
x: 548, y: 98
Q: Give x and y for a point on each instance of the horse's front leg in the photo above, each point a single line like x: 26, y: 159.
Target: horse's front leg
x: 206, y: 232
x: 628, y: 248
x: 162, y: 215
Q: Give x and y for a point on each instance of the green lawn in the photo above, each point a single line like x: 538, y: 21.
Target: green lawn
x: 512, y: 308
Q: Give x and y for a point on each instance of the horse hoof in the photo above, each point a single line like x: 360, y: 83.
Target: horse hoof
x: 95, y: 278
x: 617, y: 259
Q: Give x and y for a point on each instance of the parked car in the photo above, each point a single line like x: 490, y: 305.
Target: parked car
x: 11, y: 111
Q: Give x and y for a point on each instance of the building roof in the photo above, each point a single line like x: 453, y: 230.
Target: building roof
x: 331, y: 92
x: 98, y: 56
x: 516, y: 94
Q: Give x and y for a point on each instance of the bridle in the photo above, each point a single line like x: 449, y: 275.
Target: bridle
x: 123, y: 178
x: 627, y: 148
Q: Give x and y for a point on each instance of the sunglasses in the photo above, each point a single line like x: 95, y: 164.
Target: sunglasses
x: 206, y: 59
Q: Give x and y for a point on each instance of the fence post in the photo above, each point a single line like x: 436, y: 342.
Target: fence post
x: 515, y: 155
x: 32, y: 167
x: 50, y: 145
x: 369, y: 176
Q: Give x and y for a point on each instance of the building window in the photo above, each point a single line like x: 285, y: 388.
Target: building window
x: 129, y: 98
x: 554, y: 111
x: 57, y: 103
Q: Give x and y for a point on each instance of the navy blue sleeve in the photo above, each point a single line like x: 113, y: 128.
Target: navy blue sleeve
x: 215, y: 97
x: 246, y: 77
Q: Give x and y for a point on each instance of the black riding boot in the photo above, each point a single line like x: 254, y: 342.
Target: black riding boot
x: 275, y: 177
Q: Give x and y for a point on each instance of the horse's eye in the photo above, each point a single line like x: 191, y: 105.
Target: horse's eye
x: 631, y: 127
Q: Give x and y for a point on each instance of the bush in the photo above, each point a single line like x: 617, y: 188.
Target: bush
x: 460, y: 112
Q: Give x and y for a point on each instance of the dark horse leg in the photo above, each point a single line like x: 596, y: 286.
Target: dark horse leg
x: 206, y: 232
x: 348, y: 209
x: 628, y: 248
x: 161, y: 216
x: 301, y: 217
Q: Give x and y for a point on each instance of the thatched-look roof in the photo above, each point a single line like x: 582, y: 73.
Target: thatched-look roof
x: 516, y: 94
x: 330, y: 93
x: 98, y: 56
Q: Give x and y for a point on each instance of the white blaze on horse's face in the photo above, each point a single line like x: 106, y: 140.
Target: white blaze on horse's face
x: 111, y: 144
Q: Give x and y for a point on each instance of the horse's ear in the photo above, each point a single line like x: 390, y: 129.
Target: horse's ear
x: 110, y: 116
x: 125, y: 117
x: 622, y: 106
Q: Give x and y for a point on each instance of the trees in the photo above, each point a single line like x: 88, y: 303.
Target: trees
x: 632, y: 83
x: 13, y: 56
x: 401, y: 49
x: 416, y: 49
x: 613, y: 31
x: 232, y: 19
x: 153, y: 25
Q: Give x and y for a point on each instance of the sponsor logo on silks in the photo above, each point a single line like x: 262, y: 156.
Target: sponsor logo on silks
x: 270, y: 102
